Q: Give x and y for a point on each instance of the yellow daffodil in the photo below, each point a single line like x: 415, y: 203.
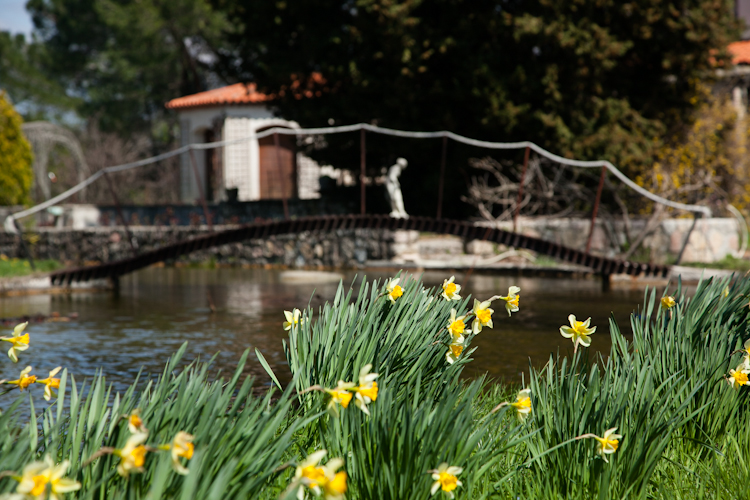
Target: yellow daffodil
x: 455, y: 349
x: 394, y: 290
x: 446, y: 479
x: 522, y: 405
x: 293, y: 318
x: 667, y: 302
x: 182, y: 446
x: 135, y: 423
x: 456, y: 326
x: 578, y: 332
x: 132, y: 455
x: 483, y: 314
x: 608, y: 444
x: 451, y: 290
x: 24, y: 379
x: 738, y: 378
x: 310, y: 474
x: 42, y: 478
x: 511, y: 300
x: 340, y: 395
x: 367, y: 390
x: 50, y: 383
x: 19, y: 341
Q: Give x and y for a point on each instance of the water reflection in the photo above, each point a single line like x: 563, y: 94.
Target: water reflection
x: 157, y: 309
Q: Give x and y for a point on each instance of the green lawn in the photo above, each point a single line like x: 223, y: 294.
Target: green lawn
x: 727, y: 262
x: 19, y: 267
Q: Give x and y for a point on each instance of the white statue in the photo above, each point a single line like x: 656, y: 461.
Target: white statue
x: 393, y: 187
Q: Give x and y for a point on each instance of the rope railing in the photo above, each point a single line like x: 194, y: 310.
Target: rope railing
x: 698, y: 209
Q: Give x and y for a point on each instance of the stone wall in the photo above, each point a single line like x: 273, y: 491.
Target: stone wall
x: 711, y: 240
x: 343, y: 248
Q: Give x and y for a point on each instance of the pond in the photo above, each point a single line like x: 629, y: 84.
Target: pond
x: 157, y: 309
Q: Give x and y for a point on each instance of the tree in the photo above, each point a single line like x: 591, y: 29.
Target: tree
x: 15, y: 157
x: 127, y: 58
x: 587, y: 78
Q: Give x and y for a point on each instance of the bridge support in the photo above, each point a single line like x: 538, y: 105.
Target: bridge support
x: 606, y: 282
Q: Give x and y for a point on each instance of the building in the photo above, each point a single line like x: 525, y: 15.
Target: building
x: 255, y: 168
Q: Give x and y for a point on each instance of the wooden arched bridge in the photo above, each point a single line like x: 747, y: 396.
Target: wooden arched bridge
x: 260, y: 230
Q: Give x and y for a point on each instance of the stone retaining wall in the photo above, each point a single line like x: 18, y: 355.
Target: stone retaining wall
x: 343, y: 248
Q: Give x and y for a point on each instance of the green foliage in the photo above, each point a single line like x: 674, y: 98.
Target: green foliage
x: 21, y: 267
x: 15, y: 157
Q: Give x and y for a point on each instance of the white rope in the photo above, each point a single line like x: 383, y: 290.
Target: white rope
x: 378, y: 130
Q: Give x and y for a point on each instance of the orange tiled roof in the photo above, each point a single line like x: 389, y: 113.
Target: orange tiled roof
x: 239, y: 93
x: 740, y: 52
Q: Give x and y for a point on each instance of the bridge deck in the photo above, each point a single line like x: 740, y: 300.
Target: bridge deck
x: 260, y: 230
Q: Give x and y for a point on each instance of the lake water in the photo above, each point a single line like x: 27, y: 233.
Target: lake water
x: 157, y: 309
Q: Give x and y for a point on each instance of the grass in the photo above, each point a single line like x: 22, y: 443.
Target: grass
x: 684, y: 431
x: 21, y: 267
x: 728, y: 262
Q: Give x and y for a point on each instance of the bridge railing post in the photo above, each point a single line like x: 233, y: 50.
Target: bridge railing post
x: 596, y: 208
x: 441, y: 182
x: 362, y: 169
x: 120, y: 214
x: 201, y: 192
x: 281, y: 175
x: 520, y: 188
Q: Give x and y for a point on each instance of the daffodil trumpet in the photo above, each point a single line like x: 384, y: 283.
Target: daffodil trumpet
x: 607, y: 445
x: 19, y: 341
x: 446, y: 479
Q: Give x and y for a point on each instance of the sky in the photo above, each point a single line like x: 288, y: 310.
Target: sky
x: 14, y: 18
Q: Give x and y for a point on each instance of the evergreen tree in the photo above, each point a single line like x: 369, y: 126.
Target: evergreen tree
x: 15, y: 157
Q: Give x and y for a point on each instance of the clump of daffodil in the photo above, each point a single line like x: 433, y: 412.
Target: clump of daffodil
x: 511, y: 300
x: 340, y: 395
x: 394, y: 290
x: 455, y: 349
x: 451, y: 290
x: 50, y: 383
x: 668, y: 302
x: 607, y: 444
x: 738, y: 378
x: 135, y: 423
x: 320, y: 479
x: 132, y: 455
x: 181, y: 446
x: 446, y: 479
x: 483, y: 314
x: 522, y: 404
x: 18, y: 342
x: 24, y: 379
x: 367, y: 390
x: 456, y: 326
x: 578, y: 332
x: 40, y: 479
x: 293, y: 318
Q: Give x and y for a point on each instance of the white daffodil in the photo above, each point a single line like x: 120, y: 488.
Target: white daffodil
x: 182, y: 446
x: 340, y: 395
x: 445, y: 479
x: 310, y: 474
x: 293, y: 318
x: 451, y: 290
x: 19, y: 341
x: 135, y: 423
x: 41, y: 478
x: 394, y: 290
x: 367, y: 390
x: 738, y: 378
x: 482, y: 314
x: 511, y: 300
x: 608, y: 444
x: 455, y: 349
x: 522, y: 405
x: 132, y: 455
x: 50, y: 383
x: 24, y: 379
x: 456, y: 326
x: 578, y: 332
